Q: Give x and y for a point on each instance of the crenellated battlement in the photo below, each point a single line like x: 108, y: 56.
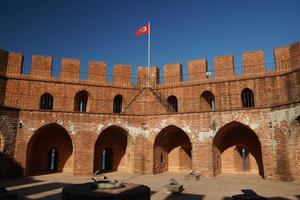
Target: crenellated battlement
x: 181, y: 122
x: 285, y: 58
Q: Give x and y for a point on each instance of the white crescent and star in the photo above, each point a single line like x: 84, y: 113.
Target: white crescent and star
x: 143, y: 29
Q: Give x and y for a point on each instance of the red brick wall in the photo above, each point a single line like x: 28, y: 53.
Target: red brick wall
x: 14, y: 64
x: 223, y: 66
x: 70, y: 69
x: 293, y: 138
x: 122, y: 75
x: 41, y: 66
x: 143, y: 74
x: 97, y: 72
x: 172, y: 73
x: 145, y: 114
x: 197, y: 70
x: 253, y: 62
x: 3, y: 62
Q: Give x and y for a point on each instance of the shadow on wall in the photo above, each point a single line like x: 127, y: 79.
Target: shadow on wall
x: 9, y: 168
x: 8, y: 131
x: 282, y: 158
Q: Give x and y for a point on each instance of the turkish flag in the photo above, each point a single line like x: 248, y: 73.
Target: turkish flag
x: 143, y: 31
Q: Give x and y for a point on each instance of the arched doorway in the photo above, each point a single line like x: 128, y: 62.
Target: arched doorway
x: 110, y: 149
x: 293, y: 148
x: 172, y: 151
x: 236, y: 148
x: 50, y: 150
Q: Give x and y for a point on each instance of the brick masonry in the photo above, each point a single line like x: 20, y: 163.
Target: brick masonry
x: 146, y: 137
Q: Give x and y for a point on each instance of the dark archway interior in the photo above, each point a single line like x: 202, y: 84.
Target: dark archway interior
x: 172, y: 150
x: 239, y: 136
x: 39, y: 149
x: 114, y: 141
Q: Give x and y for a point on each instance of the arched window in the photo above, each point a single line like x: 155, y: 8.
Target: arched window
x: 118, y: 104
x: 46, y: 102
x: 209, y: 98
x: 81, y: 100
x: 247, y: 98
x: 172, y: 101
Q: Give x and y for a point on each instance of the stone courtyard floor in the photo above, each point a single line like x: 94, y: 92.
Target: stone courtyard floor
x: 221, y: 187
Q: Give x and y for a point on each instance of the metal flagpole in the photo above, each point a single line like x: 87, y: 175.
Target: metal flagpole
x: 148, y: 81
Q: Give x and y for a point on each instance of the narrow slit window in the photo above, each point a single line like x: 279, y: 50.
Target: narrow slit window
x: 173, y: 103
x: 117, y: 107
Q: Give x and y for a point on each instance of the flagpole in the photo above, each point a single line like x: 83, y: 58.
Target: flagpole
x: 149, y: 50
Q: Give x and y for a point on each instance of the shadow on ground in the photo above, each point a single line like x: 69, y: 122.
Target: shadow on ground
x: 35, y: 190
x: 17, y: 182
x: 184, y: 197
x: 248, y: 193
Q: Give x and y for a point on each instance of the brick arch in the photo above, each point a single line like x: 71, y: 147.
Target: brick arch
x: 172, y: 150
x: 84, y: 91
x: 166, y: 123
x: 293, y: 149
x: 236, y: 134
x: 108, y: 123
x: 244, y: 119
x: 118, y: 124
x: 31, y: 126
x: 42, y: 141
x: 111, y: 148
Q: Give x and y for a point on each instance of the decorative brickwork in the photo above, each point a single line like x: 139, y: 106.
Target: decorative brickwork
x: 208, y: 132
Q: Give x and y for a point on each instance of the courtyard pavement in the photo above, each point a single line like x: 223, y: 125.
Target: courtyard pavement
x: 49, y: 187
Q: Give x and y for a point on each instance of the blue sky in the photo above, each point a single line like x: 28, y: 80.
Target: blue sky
x: 182, y: 30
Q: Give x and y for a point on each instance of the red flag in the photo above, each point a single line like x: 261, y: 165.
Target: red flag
x: 143, y: 31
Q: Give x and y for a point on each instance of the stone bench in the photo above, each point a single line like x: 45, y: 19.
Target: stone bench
x: 87, y: 191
